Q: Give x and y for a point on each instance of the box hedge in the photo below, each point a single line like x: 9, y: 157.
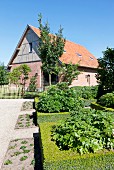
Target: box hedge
x: 55, y: 159
x: 97, y: 106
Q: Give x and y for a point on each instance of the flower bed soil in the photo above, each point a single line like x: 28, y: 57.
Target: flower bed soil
x: 20, y: 155
x: 24, y: 121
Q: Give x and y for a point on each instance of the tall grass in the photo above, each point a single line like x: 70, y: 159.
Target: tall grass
x: 10, y: 92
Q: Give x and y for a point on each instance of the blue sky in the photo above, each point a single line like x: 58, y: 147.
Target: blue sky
x: 89, y: 23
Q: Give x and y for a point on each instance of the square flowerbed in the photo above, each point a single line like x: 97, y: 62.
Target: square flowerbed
x: 20, y: 155
x: 25, y: 121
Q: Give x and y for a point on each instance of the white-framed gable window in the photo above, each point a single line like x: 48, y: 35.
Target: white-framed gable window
x: 30, y: 47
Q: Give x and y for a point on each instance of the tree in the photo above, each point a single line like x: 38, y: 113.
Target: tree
x: 19, y: 75
x: 51, y: 47
x: 68, y: 72
x: 105, y: 72
x: 33, y: 84
x: 3, y: 75
x: 15, y: 76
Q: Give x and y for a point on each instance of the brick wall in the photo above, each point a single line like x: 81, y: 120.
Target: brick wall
x: 35, y: 68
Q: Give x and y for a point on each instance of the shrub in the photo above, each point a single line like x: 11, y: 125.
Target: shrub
x: 86, y: 130
x: 33, y: 84
x: 86, y: 92
x: 107, y: 100
x: 58, y: 98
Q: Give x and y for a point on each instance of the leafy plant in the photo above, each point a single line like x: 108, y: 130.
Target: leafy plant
x: 22, y: 147
x: 23, y: 158
x: 7, y: 162
x: 33, y: 162
x: 26, y: 151
x: 86, y: 131
x: 33, y: 84
x: 59, y: 98
x: 24, y: 142
x: 16, y: 153
x: 12, y: 147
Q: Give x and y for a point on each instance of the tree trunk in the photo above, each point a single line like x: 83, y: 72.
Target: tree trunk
x: 49, y: 79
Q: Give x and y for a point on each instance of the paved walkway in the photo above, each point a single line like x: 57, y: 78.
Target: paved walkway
x: 10, y: 109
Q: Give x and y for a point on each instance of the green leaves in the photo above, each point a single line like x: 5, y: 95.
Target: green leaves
x: 107, y: 100
x: 50, y: 48
x: 86, y: 131
x: 4, y: 79
x: 105, y: 71
x: 58, y: 98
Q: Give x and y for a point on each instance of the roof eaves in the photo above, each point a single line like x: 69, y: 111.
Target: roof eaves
x: 19, y: 43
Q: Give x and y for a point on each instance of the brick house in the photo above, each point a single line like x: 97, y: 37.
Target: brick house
x: 26, y: 52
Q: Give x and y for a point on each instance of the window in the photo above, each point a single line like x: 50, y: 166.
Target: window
x: 91, y: 58
x: 30, y: 47
x: 78, y: 54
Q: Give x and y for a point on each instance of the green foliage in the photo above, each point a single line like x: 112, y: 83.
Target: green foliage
x: 30, y: 95
x: 23, y: 158
x: 15, y: 76
x: 58, y: 98
x: 7, y: 162
x: 4, y: 79
x: 53, y: 158
x: 86, y: 92
x: 105, y: 71
x: 50, y: 48
x: 107, y: 100
x: 52, y: 117
x: 19, y: 75
x: 33, y: 84
x: 86, y: 131
x: 68, y: 72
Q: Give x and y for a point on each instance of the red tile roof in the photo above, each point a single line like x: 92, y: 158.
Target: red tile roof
x: 75, y: 53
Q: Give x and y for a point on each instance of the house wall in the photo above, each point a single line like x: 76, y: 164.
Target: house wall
x: 23, y: 53
x: 24, y: 56
x: 86, y: 77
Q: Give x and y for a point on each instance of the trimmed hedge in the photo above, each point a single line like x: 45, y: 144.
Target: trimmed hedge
x: 98, y: 162
x: 53, y: 158
x: 30, y: 95
x: 97, y: 106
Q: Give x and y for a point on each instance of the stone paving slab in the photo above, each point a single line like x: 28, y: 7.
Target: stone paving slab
x: 10, y: 109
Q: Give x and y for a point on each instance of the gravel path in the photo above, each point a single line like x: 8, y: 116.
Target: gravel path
x: 10, y: 109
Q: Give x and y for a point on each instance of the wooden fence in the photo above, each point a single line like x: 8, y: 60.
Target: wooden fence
x: 10, y: 92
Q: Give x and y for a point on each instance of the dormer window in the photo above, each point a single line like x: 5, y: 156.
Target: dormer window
x: 91, y: 58
x: 78, y: 54
x: 64, y: 51
x: 30, y: 47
